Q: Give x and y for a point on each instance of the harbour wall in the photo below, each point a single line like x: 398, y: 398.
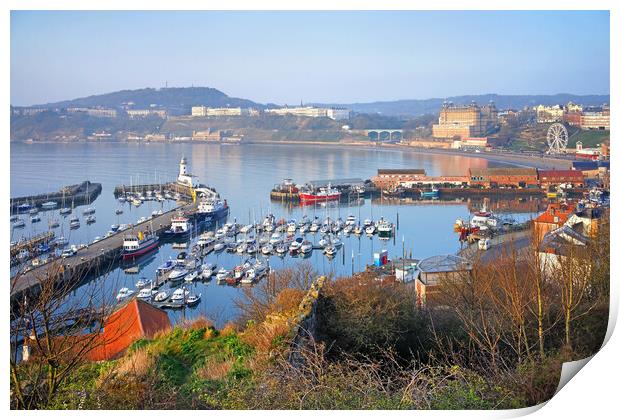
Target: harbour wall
x: 96, y: 259
x: 306, y: 322
x: 83, y: 193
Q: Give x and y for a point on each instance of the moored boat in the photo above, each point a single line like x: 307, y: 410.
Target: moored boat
x: 323, y: 194
x: 137, y: 245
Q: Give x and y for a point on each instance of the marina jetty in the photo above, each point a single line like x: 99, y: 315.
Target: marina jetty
x: 96, y: 258
x: 83, y: 193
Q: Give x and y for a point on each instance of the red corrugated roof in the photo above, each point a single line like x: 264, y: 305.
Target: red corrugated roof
x: 568, y: 173
x: 562, y: 212
x: 136, y: 319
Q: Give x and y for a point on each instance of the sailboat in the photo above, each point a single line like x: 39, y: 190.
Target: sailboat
x: 64, y: 210
x: 74, y: 222
x: 90, y: 209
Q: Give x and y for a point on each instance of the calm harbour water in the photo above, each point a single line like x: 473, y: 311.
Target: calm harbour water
x: 243, y: 175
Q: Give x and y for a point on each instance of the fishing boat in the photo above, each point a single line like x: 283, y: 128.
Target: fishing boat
x: 393, y: 192
x: 222, y: 274
x: 124, y: 293
x: 275, y: 239
x: 137, y: 245
x: 384, y: 228
x: 178, y: 273
x: 294, y: 247
x: 61, y: 241
x: 143, y: 281
x: 246, y: 228
x: 146, y: 293
x: 432, y: 193
x: 291, y: 227
x: 207, y: 271
x: 330, y: 250
x: 210, y: 210
x: 484, y: 218
x: 43, y: 248
x: 180, y: 227
x: 165, y: 267
x: 191, y: 276
x: 49, y: 205
x: 24, y: 208
x: 323, y: 194
x: 193, y: 299
x: 74, y: 223
x: 249, y: 277
x: 306, y: 247
x: 161, y: 296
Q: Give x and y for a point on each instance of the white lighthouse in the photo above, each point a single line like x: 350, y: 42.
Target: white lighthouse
x: 185, y: 178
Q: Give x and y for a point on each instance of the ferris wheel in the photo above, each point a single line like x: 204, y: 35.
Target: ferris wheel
x: 557, y: 138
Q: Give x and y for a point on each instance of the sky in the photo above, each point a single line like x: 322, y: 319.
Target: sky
x: 288, y: 57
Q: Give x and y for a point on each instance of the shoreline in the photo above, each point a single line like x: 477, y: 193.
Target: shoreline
x: 532, y: 161
x: 541, y: 162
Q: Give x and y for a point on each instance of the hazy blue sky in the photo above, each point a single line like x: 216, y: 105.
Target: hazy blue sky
x: 285, y: 57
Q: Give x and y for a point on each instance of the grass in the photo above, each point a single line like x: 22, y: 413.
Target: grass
x: 589, y: 138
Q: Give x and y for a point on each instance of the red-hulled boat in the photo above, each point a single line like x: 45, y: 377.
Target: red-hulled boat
x: 323, y: 194
x: 137, y: 245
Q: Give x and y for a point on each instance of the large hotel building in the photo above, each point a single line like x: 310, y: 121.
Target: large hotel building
x: 465, y: 121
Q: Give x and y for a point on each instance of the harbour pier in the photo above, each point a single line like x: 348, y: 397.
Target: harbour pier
x: 83, y: 193
x: 174, y: 187
x: 94, y: 259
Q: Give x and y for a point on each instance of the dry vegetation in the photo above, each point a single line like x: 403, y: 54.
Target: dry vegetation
x: 492, y: 339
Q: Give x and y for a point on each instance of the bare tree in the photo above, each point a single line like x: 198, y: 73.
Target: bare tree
x: 53, y: 330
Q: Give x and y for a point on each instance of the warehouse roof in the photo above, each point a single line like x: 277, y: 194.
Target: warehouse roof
x: 401, y: 172
x: 503, y: 171
x: 560, y: 173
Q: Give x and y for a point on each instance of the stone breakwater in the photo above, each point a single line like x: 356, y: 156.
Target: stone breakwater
x: 79, y: 194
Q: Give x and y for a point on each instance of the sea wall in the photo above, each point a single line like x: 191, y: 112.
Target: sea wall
x: 306, y: 321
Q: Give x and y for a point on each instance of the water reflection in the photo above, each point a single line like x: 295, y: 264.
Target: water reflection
x: 244, y: 175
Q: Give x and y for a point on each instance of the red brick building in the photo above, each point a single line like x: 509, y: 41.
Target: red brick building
x: 392, y: 177
x: 554, y: 177
x: 498, y: 177
x: 554, y: 217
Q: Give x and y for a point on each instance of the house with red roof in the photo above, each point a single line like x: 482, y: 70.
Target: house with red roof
x: 133, y: 320
x: 554, y: 217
